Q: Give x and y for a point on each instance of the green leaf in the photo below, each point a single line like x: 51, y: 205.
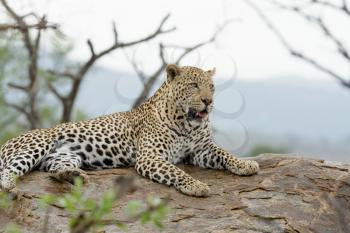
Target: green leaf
x: 154, y: 201
x: 5, y: 200
x: 158, y: 223
x: 145, y: 218
x: 90, y: 204
x: 47, y: 199
x: 121, y: 226
x: 133, y: 208
x: 12, y: 228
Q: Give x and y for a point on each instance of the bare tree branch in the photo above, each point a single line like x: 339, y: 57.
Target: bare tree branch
x: 42, y: 23
x: 341, y: 48
x: 18, y: 86
x: 115, y: 32
x: 77, y: 77
x: 5, y: 27
x: 318, y: 21
x: 151, y: 80
x: 91, y: 47
x: 23, y: 111
x: 140, y: 74
x: 65, y: 73
x: 344, y: 8
x: 55, y: 92
x: 344, y: 80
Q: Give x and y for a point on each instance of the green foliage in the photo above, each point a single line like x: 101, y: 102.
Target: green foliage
x: 8, y: 132
x: 5, y: 200
x: 90, y: 214
x: 7, y: 53
x: 48, y: 115
x: 87, y: 214
x: 61, y: 46
x: 13, y: 68
x: 5, y: 203
x: 79, y: 115
x: 138, y: 210
x: 260, y: 149
x: 12, y: 228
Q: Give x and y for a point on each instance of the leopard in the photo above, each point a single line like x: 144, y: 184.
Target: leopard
x: 169, y: 128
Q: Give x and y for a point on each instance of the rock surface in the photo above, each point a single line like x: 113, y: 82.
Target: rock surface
x: 290, y: 194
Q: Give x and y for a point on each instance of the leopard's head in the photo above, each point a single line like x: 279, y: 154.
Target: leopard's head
x: 192, y: 89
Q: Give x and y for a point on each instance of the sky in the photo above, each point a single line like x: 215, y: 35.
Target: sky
x: 246, y: 45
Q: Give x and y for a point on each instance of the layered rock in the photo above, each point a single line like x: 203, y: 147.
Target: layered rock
x: 290, y: 194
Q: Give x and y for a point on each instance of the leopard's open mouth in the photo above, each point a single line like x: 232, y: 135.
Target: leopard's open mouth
x: 194, y: 114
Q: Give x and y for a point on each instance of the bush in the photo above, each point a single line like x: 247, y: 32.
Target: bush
x: 88, y: 215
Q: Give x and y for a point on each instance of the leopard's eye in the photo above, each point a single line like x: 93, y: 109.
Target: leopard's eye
x: 194, y: 85
x: 212, y: 86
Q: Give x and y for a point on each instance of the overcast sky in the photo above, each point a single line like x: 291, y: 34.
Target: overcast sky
x: 246, y: 41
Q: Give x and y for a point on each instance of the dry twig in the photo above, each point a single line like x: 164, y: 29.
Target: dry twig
x: 148, y: 81
x: 68, y: 100
x: 319, y: 22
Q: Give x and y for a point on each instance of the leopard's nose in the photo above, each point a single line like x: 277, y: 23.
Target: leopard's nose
x: 206, y: 101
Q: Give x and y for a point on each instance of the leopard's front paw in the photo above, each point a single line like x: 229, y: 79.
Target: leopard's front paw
x: 244, y: 167
x: 194, y: 188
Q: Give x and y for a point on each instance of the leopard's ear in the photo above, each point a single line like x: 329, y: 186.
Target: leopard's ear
x: 211, y: 73
x: 172, y: 71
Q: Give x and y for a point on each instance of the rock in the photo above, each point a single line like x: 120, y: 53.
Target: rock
x: 290, y: 194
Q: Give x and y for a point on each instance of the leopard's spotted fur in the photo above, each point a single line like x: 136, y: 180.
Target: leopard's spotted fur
x: 172, y: 126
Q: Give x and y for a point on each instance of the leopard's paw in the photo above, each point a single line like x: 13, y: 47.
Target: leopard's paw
x: 16, y: 194
x: 70, y: 175
x: 194, y: 188
x: 245, y: 168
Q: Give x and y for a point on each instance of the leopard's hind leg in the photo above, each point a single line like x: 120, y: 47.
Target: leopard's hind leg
x: 63, y: 166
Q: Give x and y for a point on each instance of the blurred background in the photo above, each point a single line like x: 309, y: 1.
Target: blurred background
x: 283, y: 67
